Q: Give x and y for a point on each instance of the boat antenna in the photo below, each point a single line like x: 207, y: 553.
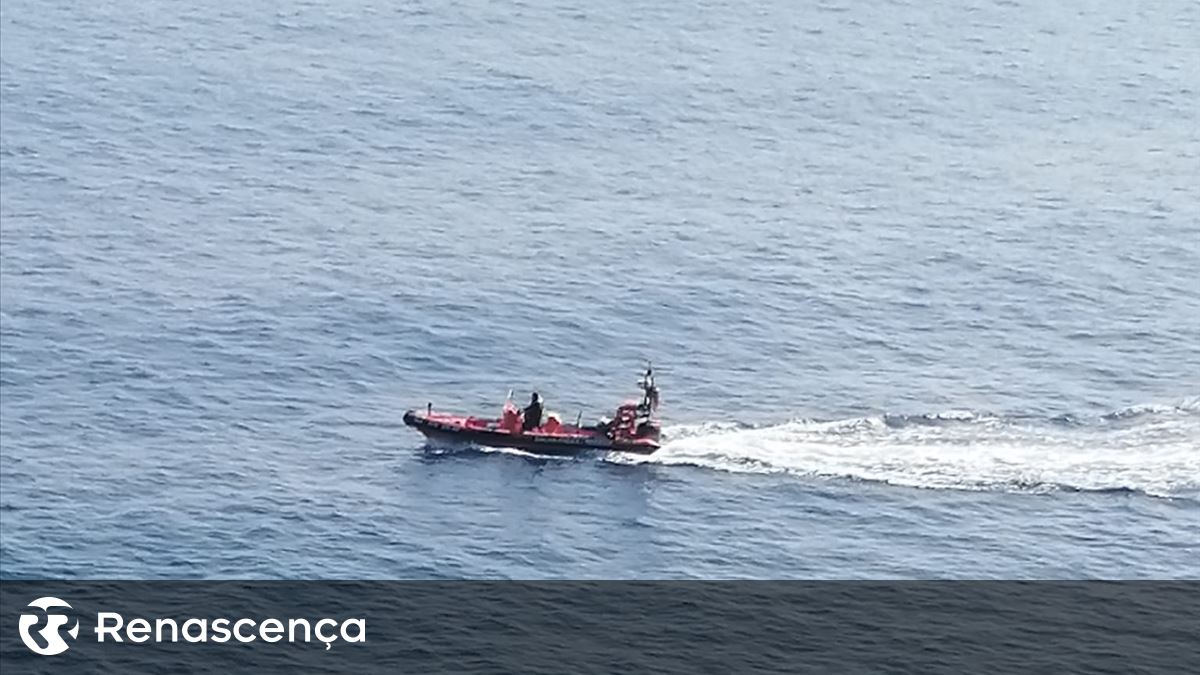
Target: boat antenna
x: 649, y: 391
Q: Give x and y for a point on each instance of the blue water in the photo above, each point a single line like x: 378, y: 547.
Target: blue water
x: 919, y: 280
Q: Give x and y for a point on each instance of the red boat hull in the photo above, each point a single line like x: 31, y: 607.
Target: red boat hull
x: 566, y: 440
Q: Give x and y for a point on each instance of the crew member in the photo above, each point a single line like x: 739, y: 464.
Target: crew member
x: 533, y: 413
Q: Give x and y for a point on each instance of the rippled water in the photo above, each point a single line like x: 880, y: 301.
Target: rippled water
x: 919, y: 280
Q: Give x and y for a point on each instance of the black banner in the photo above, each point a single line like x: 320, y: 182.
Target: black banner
x: 600, y: 627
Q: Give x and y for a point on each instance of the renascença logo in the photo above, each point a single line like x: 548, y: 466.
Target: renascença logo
x: 113, y: 627
x: 51, y: 634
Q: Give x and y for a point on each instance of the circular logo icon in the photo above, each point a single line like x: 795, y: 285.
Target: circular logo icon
x: 51, y: 641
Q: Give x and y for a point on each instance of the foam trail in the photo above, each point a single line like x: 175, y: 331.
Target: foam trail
x: 1150, y: 449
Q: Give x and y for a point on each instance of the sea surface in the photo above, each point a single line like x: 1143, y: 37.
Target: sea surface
x: 919, y: 280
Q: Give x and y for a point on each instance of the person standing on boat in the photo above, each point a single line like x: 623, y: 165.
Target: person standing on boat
x: 533, y: 413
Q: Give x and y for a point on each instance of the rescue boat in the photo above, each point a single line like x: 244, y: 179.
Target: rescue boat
x: 633, y: 428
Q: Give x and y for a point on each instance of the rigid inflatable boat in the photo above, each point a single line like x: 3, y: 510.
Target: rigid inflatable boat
x: 634, y: 428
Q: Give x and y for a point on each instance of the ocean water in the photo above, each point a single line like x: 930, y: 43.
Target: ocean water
x: 919, y: 281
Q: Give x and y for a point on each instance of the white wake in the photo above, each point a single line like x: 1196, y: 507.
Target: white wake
x: 1151, y: 449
